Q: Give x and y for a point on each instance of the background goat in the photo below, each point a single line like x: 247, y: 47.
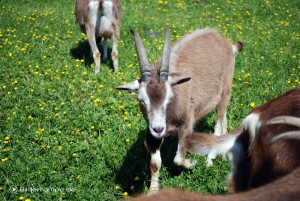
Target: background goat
x: 100, y: 18
x: 171, y: 104
x: 255, y: 159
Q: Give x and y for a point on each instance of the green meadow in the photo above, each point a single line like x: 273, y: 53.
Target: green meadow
x: 68, y: 134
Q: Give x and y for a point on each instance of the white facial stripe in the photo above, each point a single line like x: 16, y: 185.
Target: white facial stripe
x: 157, y: 125
x: 159, y: 116
x: 156, y: 116
x: 144, y: 96
x: 169, y: 94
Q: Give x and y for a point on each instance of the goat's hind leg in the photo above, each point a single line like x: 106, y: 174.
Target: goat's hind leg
x: 90, y: 32
x: 114, y: 53
x: 221, y: 125
x: 180, y: 159
x: 105, y: 47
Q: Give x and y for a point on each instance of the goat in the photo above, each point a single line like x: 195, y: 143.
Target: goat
x: 282, y: 189
x: 255, y: 159
x: 171, y: 104
x: 100, y: 18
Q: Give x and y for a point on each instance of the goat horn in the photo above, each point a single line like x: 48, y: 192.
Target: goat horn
x: 290, y: 120
x: 164, y: 70
x: 143, y: 60
x: 287, y: 135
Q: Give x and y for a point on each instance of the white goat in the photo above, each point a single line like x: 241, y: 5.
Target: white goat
x: 100, y: 18
x: 190, y: 80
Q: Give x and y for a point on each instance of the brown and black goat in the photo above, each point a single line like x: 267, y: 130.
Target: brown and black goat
x: 97, y: 19
x: 192, y: 78
x: 255, y: 159
x: 277, y: 134
x: 283, y: 189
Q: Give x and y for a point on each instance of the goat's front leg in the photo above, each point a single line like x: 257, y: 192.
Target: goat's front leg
x: 114, y: 53
x: 155, y: 165
x: 180, y: 159
x: 90, y: 33
x: 153, y: 146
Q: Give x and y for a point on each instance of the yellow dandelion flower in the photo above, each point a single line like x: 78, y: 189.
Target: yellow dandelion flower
x: 117, y: 187
x: 125, y: 194
x: 4, y: 159
x: 21, y: 198
x: 59, y: 148
x: 252, y: 104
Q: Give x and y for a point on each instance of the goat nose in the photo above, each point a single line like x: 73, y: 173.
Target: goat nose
x: 158, y: 130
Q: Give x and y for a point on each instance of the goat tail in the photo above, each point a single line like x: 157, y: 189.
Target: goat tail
x: 212, y: 145
x: 101, y: 2
x: 237, y: 47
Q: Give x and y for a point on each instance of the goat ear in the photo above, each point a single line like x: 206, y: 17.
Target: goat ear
x: 178, y: 80
x: 130, y: 86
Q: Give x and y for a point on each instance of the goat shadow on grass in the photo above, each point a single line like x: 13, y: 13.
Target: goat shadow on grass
x: 203, y: 126
x: 137, y: 160
x: 83, y: 51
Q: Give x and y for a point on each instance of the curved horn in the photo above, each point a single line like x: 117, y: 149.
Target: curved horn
x: 164, y: 70
x: 143, y: 60
x: 290, y: 120
x: 287, y: 135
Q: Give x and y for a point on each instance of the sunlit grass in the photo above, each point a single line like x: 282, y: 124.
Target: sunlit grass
x: 66, y: 133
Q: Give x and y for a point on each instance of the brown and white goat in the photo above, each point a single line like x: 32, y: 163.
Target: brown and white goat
x: 283, y: 189
x: 192, y: 78
x: 100, y: 18
x: 255, y: 159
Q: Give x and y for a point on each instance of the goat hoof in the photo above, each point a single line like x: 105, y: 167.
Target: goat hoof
x: 189, y: 163
x: 97, y: 70
x: 209, y: 163
x: 153, y: 191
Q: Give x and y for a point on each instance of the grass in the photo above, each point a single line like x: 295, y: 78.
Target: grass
x: 67, y: 134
